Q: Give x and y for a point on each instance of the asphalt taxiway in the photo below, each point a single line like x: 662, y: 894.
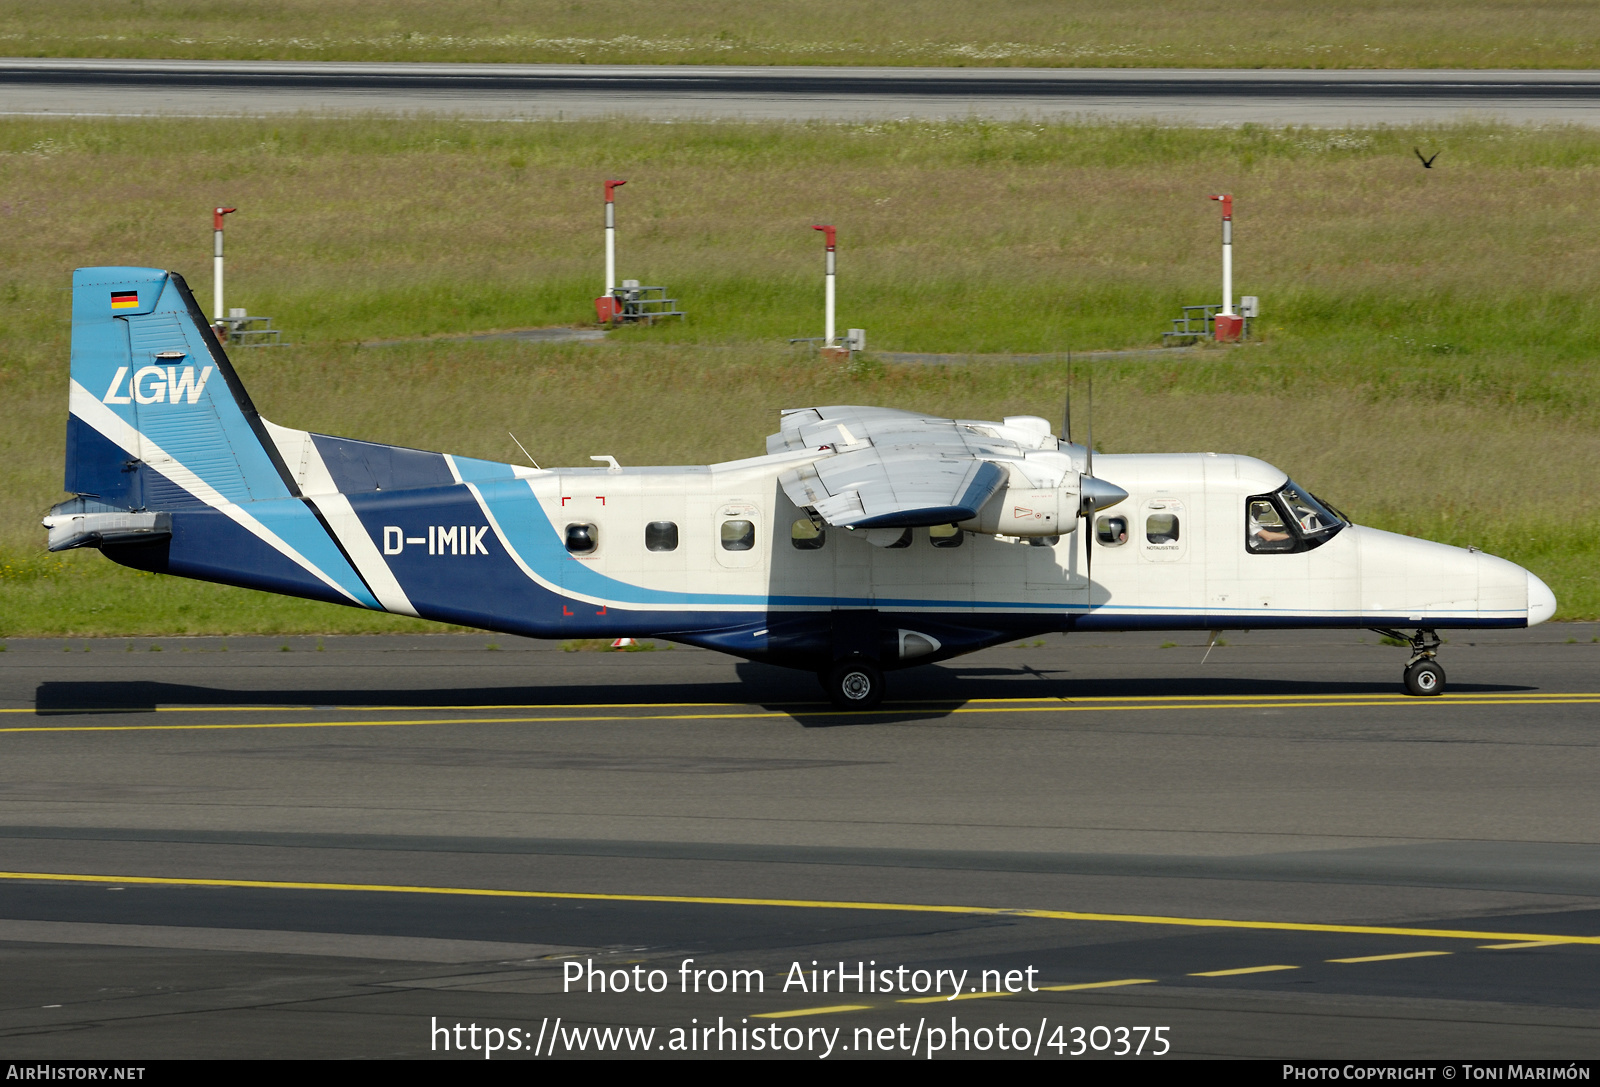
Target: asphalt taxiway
x: 305, y: 847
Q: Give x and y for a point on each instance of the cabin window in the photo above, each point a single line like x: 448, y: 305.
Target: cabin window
x: 661, y: 536
x: 903, y: 541
x: 946, y: 536
x: 1161, y: 528
x: 583, y: 539
x: 806, y: 536
x: 1111, y: 530
x: 738, y: 535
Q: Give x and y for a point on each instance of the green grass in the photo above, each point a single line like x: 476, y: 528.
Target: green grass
x: 1069, y: 33
x: 1424, y: 359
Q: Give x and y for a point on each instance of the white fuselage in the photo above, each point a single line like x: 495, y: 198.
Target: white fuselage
x: 1205, y: 577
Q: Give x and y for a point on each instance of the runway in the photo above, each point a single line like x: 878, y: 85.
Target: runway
x: 77, y: 87
x: 304, y: 847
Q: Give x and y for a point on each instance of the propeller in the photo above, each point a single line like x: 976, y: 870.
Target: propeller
x: 1085, y: 503
x: 1093, y: 493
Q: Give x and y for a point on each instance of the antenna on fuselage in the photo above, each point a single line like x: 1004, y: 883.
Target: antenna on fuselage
x: 525, y: 453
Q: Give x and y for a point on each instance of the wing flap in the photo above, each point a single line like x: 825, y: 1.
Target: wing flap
x: 884, y: 468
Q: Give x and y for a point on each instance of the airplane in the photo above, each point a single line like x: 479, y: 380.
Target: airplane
x: 862, y: 541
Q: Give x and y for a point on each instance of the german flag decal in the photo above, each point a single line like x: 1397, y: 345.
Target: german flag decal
x: 124, y: 299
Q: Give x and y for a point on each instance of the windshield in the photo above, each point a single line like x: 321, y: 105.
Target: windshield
x: 1311, y: 516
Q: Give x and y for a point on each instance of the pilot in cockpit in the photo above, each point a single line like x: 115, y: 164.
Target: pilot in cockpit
x: 1267, y: 532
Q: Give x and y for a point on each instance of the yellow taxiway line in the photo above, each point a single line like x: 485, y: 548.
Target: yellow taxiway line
x: 989, y: 706
x: 813, y: 1011
x: 814, y: 904
x: 1096, y: 985
x: 1241, y: 970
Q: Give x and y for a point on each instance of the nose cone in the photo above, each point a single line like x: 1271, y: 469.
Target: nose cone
x: 1097, y: 494
x: 1541, y: 601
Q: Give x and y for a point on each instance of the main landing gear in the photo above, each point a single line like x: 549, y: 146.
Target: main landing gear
x: 854, y: 684
x: 1423, y: 676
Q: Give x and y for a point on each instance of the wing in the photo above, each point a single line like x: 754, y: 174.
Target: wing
x: 898, y: 469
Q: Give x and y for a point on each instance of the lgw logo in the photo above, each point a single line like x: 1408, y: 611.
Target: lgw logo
x: 441, y: 540
x: 155, y: 384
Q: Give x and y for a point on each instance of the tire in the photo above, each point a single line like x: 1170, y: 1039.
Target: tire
x: 854, y: 685
x: 1425, y: 679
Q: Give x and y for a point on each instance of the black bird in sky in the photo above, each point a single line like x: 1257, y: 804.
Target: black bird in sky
x: 1427, y: 163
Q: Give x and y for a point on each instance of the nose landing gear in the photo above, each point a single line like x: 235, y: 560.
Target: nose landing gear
x: 1423, y: 676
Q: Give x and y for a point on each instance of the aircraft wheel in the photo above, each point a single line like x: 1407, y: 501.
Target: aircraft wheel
x: 854, y: 685
x: 1425, y: 678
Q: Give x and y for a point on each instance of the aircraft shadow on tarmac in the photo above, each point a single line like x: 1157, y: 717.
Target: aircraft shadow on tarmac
x: 928, y: 692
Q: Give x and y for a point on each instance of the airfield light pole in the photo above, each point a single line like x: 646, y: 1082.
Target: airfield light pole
x: 611, y: 236
x: 216, y: 260
x: 828, y: 278
x: 1228, y: 326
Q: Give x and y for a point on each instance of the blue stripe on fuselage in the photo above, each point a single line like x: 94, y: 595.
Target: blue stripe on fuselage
x: 489, y: 589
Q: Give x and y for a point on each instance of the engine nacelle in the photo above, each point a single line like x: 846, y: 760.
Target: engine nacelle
x: 1028, y: 511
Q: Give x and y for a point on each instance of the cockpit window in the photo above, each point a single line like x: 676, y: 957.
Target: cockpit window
x: 1265, y: 530
x: 1310, y: 515
x: 1287, y: 521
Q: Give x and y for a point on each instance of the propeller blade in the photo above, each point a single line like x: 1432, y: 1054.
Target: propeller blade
x: 1089, y: 438
x: 1066, y: 415
x: 1088, y: 552
x: 1088, y: 475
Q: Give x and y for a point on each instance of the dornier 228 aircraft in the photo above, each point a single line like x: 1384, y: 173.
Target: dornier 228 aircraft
x: 864, y: 540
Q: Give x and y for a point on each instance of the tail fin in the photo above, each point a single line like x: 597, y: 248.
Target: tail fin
x: 174, y: 468
x: 152, y: 388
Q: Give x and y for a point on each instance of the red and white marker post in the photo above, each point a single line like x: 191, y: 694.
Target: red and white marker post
x: 828, y: 278
x: 605, y: 307
x: 1229, y: 326
x: 216, y: 261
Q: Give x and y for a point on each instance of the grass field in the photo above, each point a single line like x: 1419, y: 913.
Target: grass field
x: 1069, y: 33
x: 1424, y: 359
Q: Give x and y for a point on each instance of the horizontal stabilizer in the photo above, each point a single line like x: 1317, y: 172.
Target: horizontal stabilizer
x: 82, y: 523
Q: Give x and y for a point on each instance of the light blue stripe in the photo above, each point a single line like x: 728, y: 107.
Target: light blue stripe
x: 298, y: 527
x: 480, y: 471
